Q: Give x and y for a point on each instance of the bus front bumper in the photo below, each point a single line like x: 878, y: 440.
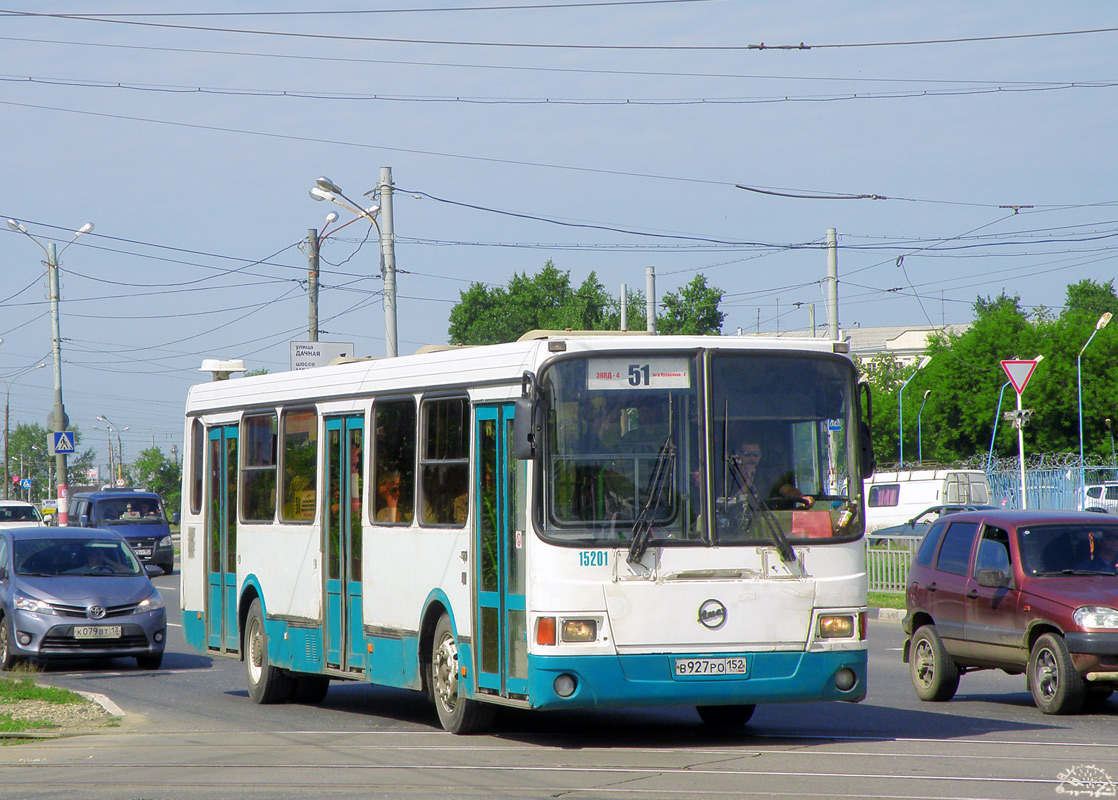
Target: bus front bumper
x: 652, y: 680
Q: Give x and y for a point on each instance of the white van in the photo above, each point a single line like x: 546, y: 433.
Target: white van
x: 893, y: 498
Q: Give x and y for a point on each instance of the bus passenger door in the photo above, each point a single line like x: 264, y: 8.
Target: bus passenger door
x: 499, y: 545
x: 221, y: 541
x: 344, y: 634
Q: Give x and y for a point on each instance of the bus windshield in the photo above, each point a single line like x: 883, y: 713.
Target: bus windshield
x: 636, y: 448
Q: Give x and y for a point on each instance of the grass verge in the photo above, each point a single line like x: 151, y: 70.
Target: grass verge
x: 886, y: 600
x: 20, y: 685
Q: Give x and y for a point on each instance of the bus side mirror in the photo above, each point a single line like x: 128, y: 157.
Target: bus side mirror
x: 869, y: 463
x: 525, y: 429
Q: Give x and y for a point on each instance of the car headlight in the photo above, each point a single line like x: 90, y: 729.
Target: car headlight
x: 25, y: 603
x: 153, y: 602
x: 165, y: 541
x: 1096, y: 617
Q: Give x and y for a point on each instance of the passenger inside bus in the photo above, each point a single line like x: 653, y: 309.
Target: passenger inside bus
x: 389, y: 506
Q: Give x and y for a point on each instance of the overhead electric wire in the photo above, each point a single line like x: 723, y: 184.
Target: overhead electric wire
x: 761, y: 46
x: 457, y: 65
x: 896, y: 94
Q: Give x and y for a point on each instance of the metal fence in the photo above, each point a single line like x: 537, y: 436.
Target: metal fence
x: 887, y: 563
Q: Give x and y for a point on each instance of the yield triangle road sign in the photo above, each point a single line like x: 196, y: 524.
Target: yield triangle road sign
x: 1019, y: 372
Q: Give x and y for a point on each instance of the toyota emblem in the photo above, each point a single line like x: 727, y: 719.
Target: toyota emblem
x: 712, y: 614
x: 95, y: 612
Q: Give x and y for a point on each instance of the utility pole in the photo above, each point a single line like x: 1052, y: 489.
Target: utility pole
x: 312, y: 284
x: 832, y: 285
x: 58, y: 419
x: 624, y: 307
x: 388, y: 254
x: 650, y: 299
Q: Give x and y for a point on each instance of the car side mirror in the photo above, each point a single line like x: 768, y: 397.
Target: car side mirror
x: 175, y: 518
x: 84, y: 523
x: 992, y: 579
x: 153, y: 570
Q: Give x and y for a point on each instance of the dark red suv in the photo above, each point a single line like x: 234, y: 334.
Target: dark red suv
x: 1021, y: 591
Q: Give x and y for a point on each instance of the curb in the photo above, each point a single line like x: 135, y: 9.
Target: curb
x: 112, y: 708
x: 887, y: 614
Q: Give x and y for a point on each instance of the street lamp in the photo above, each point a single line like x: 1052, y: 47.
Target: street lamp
x: 900, y: 407
x: 119, y: 447
x: 7, y: 399
x: 919, y: 439
x: 326, y: 189
x: 112, y: 454
x: 1102, y: 323
x: 1113, y: 460
x: 58, y: 418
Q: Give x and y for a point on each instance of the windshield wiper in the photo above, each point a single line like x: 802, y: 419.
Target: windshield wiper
x: 758, y: 508
x: 661, y: 472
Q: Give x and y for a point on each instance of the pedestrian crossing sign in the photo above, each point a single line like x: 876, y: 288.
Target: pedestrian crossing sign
x: 62, y: 442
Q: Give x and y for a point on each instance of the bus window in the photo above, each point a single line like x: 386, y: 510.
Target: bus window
x: 197, y: 476
x: 394, y: 461
x: 258, y: 472
x: 445, y: 461
x: 300, y: 465
x: 623, y: 444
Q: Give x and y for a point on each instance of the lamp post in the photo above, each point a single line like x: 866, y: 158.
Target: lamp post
x: 112, y: 453
x: 7, y: 402
x: 119, y: 447
x: 1102, y: 323
x: 58, y: 419
x: 900, y: 408
x: 326, y: 189
x: 1110, y: 430
x: 919, y: 439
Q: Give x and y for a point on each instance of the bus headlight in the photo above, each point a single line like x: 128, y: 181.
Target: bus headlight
x: 580, y: 630
x: 836, y: 626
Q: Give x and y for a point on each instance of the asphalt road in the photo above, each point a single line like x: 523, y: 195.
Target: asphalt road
x: 191, y: 732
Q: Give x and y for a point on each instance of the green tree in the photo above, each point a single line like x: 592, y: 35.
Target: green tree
x: 966, y: 380
x: 1091, y: 299
x: 546, y: 300
x: 692, y: 310
x: 153, y: 471
x: 28, y: 451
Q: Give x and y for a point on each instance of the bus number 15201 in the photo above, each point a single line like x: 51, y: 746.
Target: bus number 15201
x: 593, y: 558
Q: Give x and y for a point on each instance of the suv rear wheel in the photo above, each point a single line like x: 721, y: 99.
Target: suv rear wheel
x: 1056, y: 687
x: 933, y: 671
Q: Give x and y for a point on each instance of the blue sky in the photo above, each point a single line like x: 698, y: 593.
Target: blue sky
x: 603, y: 136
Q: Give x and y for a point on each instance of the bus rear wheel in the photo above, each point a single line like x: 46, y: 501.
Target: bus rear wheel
x: 266, y: 684
x: 725, y: 716
x: 457, y: 714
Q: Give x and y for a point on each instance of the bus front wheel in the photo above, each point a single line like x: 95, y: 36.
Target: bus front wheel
x: 266, y: 684
x: 457, y: 714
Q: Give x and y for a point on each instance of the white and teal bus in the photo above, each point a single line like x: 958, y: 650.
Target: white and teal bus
x: 565, y: 522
